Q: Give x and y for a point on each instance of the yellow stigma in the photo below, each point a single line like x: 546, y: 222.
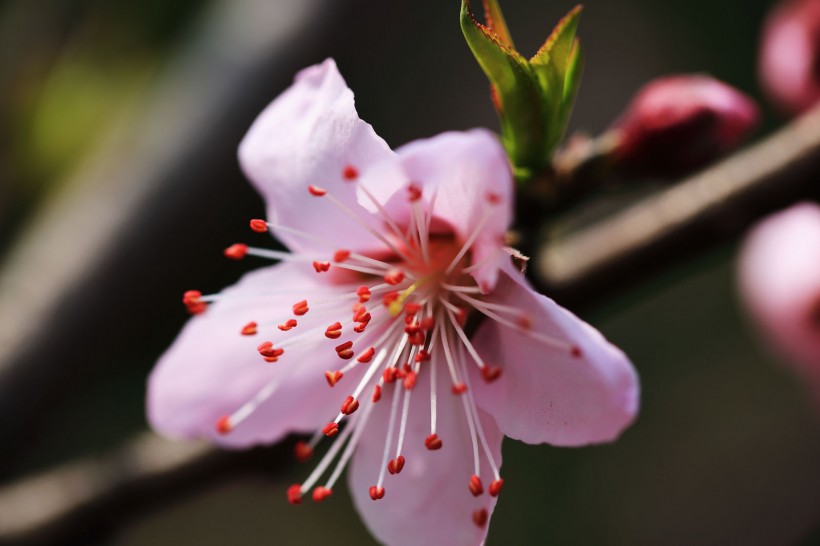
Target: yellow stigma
x: 396, y: 307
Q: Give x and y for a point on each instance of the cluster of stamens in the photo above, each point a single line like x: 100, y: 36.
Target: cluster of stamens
x: 404, y: 319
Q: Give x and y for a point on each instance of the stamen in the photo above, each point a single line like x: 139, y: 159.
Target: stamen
x: 350, y: 173
x: 320, y: 493
x: 345, y: 350
x: 475, y: 485
x: 350, y: 405
x: 236, y: 251
x: 193, y: 302
x: 259, y: 226
x: 317, y: 191
x: 288, y: 325
x: 321, y: 267
x: 390, y: 430
x: 300, y: 308
x: 295, y: 494
x: 333, y: 377
x: 250, y: 329
x: 469, y: 242
x: 480, y: 517
x: 376, y: 492
x: 334, y: 331
x: 433, y: 442
x: 302, y: 451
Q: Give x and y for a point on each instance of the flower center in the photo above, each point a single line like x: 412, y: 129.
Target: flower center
x: 396, y: 319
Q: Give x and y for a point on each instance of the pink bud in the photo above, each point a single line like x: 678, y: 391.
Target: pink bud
x: 780, y: 284
x: 790, y: 55
x: 678, y: 123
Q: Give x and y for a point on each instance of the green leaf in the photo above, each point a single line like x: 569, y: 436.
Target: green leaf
x: 496, y: 22
x: 557, y: 48
x: 516, y: 87
x: 572, y: 80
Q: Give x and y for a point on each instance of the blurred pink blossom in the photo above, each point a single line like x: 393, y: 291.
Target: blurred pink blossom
x: 397, y: 325
x: 790, y: 55
x: 780, y: 283
x: 679, y: 123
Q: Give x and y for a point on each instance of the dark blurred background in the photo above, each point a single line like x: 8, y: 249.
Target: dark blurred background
x: 119, y: 188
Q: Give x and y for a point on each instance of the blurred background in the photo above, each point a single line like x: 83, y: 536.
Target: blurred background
x: 119, y: 189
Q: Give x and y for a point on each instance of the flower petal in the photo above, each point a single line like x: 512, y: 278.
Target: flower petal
x: 780, y: 282
x: 429, y: 501
x: 308, y: 136
x: 545, y: 394
x: 465, y: 178
x: 211, y: 370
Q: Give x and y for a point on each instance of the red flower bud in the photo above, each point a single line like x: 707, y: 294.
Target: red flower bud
x: 790, y: 55
x: 679, y: 123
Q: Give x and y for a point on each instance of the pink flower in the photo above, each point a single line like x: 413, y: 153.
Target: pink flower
x: 790, y: 54
x: 679, y: 123
x: 398, y: 325
x: 780, y: 283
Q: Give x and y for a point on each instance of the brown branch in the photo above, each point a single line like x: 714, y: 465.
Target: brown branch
x: 713, y: 205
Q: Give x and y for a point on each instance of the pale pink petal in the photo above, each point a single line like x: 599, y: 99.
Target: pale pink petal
x: 211, y: 369
x: 429, y: 501
x: 780, y: 283
x: 466, y: 182
x: 309, y: 135
x: 545, y: 394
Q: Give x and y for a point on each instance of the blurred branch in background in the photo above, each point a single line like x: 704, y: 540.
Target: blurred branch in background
x: 77, y: 258
x: 716, y: 203
x: 711, y: 206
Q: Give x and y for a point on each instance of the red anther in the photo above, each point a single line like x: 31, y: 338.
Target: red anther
x: 490, y: 373
x: 412, y: 308
x: 350, y: 173
x: 364, y: 319
x: 345, y: 350
x: 413, y: 193
x: 412, y: 327
x: 359, y: 328
x: 300, y: 308
x: 410, y: 380
x: 267, y: 349
x: 495, y: 487
x: 416, y: 338
x: 364, y: 294
x: 524, y: 321
x: 389, y: 375
x: 334, y: 331
x: 461, y: 316
x: 302, y: 451
x: 367, y: 355
x: 316, y: 190
x: 376, y: 492
x: 321, y: 267
x: 409, y: 319
x: 295, y: 494
x: 223, y: 425
x: 320, y: 493
x: 394, y: 277
x: 333, y: 377
x: 359, y: 314
x: 259, y: 226
x: 193, y: 302
x: 400, y: 375
x: 433, y: 442
x: 575, y: 351
x: 249, y: 329
x: 428, y: 323
x: 236, y: 251
x: 493, y: 198
x: 271, y: 359
x: 288, y: 325
x: 331, y: 430
x: 389, y: 298
x: 480, y: 517
x: 395, y: 465
x: 422, y: 356
x: 475, y: 485
x: 459, y: 388
x: 377, y: 393
x: 350, y: 405
x: 341, y: 255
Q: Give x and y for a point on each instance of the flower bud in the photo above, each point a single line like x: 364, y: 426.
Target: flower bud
x: 790, y: 53
x: 780, y: 285
x: 679, y: 123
